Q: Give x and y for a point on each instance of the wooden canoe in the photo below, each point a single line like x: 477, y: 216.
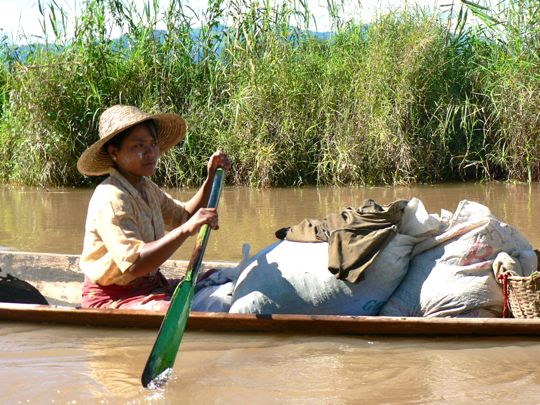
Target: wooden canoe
x: 58, y: 278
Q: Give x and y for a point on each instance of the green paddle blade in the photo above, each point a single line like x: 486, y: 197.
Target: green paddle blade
x: 163, y: 355
x: 161, y: 359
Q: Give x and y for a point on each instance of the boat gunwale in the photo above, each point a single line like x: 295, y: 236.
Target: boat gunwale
x: 274, y: 323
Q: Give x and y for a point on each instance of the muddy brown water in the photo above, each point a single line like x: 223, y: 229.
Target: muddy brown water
x: 47, y: 364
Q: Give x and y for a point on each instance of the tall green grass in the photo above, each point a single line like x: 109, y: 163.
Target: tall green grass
x: 508, y: 78
x: 412, y: 97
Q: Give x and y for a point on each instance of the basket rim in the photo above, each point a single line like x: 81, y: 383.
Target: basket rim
x: 532, y: 277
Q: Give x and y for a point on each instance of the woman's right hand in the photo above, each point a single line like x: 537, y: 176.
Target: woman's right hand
x: 202, y: 216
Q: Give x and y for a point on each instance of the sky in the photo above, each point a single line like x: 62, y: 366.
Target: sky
x: 19, y: 19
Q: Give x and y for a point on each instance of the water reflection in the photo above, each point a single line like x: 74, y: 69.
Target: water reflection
x: 213, y: 368
x: 101, y: 365
x: 36, y: 220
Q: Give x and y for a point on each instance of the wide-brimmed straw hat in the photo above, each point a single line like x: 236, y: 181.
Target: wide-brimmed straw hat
x: 95, y: 160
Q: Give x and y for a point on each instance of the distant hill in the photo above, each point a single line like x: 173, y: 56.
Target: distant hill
x: 12, y: 52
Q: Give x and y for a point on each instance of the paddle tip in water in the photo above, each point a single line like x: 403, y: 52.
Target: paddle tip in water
x: 158, y: 381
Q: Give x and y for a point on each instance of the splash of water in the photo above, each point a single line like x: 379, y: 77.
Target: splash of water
x: 160, y: 380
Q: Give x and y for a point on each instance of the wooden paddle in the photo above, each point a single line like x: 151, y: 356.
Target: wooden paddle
x: 161, y: 360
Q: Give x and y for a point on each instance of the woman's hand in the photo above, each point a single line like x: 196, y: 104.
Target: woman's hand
x: 202, y: 216
x: 218, y: 159
x: 200, y: 199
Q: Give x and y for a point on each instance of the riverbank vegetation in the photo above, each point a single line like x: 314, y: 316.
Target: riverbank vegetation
x: 414, y: 96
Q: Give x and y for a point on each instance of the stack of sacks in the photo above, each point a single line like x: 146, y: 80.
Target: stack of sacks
x: 434, y: 266
x: 293, y: 277
x: 451, y: 274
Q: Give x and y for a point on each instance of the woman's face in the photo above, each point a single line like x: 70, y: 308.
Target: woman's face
x: 138, y: 154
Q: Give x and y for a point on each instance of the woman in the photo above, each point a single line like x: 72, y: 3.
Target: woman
x: 125, y: 240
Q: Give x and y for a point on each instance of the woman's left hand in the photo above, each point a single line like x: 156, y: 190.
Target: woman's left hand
x: 218, y: 159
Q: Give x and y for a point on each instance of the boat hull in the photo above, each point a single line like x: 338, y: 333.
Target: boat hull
x: 290, y: 324
x: 58, y: 277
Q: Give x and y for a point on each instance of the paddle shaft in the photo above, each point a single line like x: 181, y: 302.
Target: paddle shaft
x: 172, y: 328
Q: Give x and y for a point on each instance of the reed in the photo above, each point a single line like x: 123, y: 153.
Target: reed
x: 508, y: 78
x: 407, y: 98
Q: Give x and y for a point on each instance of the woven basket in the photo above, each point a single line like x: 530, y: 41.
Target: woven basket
x: 523, y: 295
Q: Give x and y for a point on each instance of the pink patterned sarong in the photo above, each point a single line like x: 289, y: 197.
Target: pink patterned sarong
x: 151, y: 293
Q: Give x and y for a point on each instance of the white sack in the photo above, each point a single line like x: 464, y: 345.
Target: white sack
x: 213, y: 298
x: 293, y: 277
x: 451, y: 274
x: 417, y: 222
x: 214, y: 289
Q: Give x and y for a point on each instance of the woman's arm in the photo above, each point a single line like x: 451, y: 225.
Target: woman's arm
x: 154, y: 254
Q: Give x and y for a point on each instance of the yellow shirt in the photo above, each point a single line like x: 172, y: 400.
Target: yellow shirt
x: 120, y: 222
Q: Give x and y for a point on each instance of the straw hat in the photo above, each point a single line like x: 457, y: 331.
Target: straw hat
x: 96, y: 161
